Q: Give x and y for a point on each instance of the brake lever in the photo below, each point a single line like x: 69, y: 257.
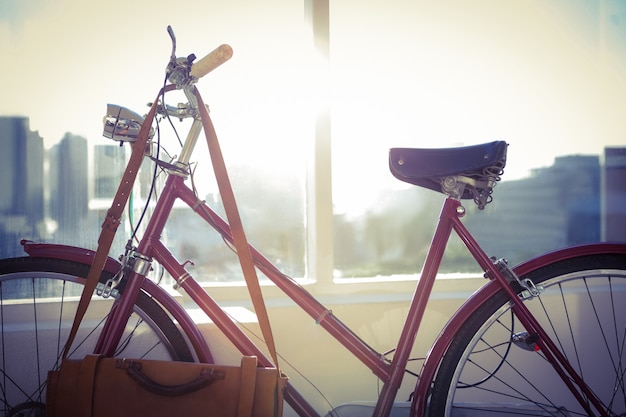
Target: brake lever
x: 178, y: 68
x: 170, y: 31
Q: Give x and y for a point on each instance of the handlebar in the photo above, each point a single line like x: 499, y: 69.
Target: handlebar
x: 211, y: 61
x: 123, y: 125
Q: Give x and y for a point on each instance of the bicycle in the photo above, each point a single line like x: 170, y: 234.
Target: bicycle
x: 505, y: 351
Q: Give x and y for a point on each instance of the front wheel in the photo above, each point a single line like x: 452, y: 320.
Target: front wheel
x: 493, y: 367
x: 38, y: 300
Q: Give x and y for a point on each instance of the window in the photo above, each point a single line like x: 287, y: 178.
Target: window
x: 547, y: 77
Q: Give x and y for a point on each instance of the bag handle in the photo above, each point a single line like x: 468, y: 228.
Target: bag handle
x: 112, y: 220
x: 207, y: 377
x: 236, y: 227
x: 245, y: 403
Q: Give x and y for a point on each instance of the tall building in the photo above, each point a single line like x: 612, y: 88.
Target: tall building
x: 555, y: 207
x: 109, y: 164
x: 21, y: 182
x: 68, y: 184
x: 614, y: 221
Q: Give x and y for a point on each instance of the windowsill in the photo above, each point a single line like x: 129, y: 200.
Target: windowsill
x: 234, y: 298
x: 349, y: 290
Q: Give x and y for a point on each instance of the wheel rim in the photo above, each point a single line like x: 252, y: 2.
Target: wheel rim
x: 36, y: 312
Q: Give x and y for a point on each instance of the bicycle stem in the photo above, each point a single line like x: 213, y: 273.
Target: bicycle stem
x: 190, y: 143
x: 195, y: 129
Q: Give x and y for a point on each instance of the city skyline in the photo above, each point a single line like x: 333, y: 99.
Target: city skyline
x: 548, y: 77
x: 564, y: 204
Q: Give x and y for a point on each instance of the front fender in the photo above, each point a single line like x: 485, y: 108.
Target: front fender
x: 85, y: 256
x: 446, y: 336
x: 71, y: 253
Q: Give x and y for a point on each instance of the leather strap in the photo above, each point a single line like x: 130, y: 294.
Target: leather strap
x: 112, y: 221
x: 236, y: 227
x: 247, y: 386
x: 86, y: 384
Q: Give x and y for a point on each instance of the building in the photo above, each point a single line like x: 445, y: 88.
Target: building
x: 68, y: 184
x: 555, y: 207
x: 614, y: 219
x: 21, y: 182
x: 109, y: 164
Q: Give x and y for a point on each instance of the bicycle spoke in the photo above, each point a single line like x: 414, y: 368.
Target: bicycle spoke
x: 568, y: 320
x: 498, y: 412
x: 620, y: 341
x: 520, y: 395
x: 150, y: 349
x: 60, y: 323
x: 126, y: 340
x: 601, y: 328
x: 3, y: 385
x: 18, y: 386
x: 36, y: 322
x: 34, y: 344
x: 582, y: 308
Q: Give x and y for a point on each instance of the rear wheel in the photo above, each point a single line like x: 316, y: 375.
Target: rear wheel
x: 493, y: 367
x: 38, y: 300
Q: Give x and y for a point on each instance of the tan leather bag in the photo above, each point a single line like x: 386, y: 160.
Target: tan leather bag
x: 113, y: 387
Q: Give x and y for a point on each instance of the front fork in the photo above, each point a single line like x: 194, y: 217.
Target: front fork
x: 133, y: 270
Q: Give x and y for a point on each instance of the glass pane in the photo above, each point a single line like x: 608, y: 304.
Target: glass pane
x: 57, y: 187
x: 22, y: 198
x: 547, y: 77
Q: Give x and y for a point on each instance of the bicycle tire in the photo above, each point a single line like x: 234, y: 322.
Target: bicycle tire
x: 28, y: 287
x: 485, y: 372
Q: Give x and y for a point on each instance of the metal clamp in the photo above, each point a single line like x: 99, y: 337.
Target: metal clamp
x: 323, y: 316
x: 106, y: 290
x: 181, y: 279
x: 528, y: 288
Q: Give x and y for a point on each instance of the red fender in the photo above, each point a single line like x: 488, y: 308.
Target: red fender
x: 85, y: 256
x: 70, y: 253
x: 446, y: 336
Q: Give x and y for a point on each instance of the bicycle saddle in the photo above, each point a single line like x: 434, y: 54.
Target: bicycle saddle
x: 479, y: 166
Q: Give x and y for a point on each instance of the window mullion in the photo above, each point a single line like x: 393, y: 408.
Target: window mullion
x: 319, y: 179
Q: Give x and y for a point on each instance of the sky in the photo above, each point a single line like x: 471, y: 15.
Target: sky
x: 68, y: 58
x: 548, y: 76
